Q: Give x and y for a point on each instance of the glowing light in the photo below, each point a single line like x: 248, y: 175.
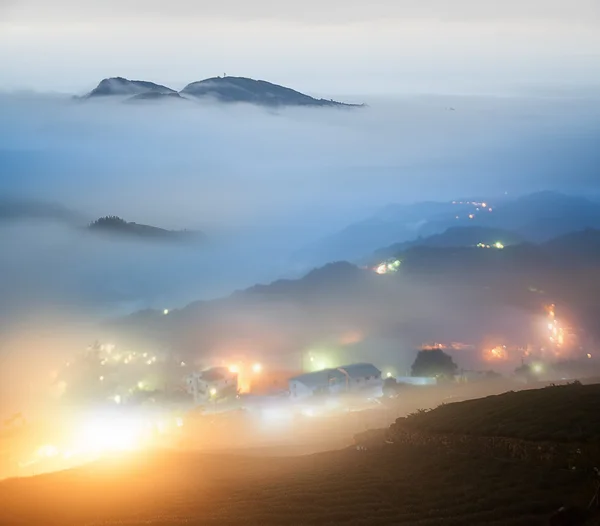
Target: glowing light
x: 550, y: 326
x: 117, y: 399
x: 381, y: 269
x: 140, y: 385
x: 498, y: 245
x: 145, y: 355
x: 537, y: 368
x: 257, y: 368
x: 182, y: 364
x: 388, y: 374
x: 308, y: 412
x: 179, y: 422
x: 213, y: 391
x: 101, y: 378
x: 484, y: 205
x: 489, y: 209
x: 166, y: 311
x: 47, y: 451
x: 234, y: 369
x: 321, y: 365
x: 471, y: 216
x: 589, y: 355
x: 111, y: 433
x: 312, y: 358
x: 498, y: 353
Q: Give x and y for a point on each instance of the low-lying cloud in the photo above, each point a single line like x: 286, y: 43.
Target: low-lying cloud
x: 259, y: 183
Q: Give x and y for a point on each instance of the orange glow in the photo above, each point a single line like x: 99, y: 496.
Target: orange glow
x: 497, y: 353
x: 351, y: 337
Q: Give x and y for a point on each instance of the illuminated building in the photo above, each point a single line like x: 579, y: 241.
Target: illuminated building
x: 348, y: 378
x: 217, y: 382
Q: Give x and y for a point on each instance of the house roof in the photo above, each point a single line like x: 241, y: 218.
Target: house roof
x: 360, y: 370
x: 322, y: 378
x: 318, y: 378
x: 214, y: 374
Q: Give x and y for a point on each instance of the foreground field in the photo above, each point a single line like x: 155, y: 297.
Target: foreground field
x: 391, y: 485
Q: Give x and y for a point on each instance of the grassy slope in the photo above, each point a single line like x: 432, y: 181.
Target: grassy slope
x: 389, y: 486
x: 567, y: 413
x: 405, y: 485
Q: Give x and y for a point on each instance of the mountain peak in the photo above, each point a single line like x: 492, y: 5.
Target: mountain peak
x: 243, y: 89
x: 121, y: 86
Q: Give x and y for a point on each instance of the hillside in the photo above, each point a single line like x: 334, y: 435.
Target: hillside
x: 437, y: 294
x: 119, y: 227
x: 536, y: 217
x: 119, y: 86
x: 422, y: 484
x: 220, y: 89
x: 153, y: 96
x: 241, y: 89
x: 566, y: 413
x: 26, y: 209
x: 462, y: 236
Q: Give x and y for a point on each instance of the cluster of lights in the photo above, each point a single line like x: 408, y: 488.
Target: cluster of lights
x: 388, y: 267
x: 556, y: 332
x: 497, y: 353
x: 498, y: 245
x: 479, y: 206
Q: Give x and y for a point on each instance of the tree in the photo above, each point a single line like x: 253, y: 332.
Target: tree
x: 433, y: 363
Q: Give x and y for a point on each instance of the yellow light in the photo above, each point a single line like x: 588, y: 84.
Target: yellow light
x: 140, y: 385
x: 389, y: 375
x: 117, y: 399
x: 484, y: 205
x: 257, y: 368
x: 111, y: 433
x: 213, y: 391
x: 179, y: 422
x: 102, y: 378
x: 381, y: 269
x: 47, y: 451
x: 537, y: 368
x: 166, y: 311
x: 498, y: 245
x: 234, y: 369
x: 312, y: 358
x: 589, y: 355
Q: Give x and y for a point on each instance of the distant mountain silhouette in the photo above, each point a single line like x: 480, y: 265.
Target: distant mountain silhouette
x: 460, y: 236
x: 118, y: 226
x: 536, y: 217
x: 21, y: 209
x: 438, y: 294
x: 221, y: 89
x: 119, y: 86
x: 241, y: 89
x: 153, y: 96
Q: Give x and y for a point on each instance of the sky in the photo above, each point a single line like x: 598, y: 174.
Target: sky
x: 328, y: 48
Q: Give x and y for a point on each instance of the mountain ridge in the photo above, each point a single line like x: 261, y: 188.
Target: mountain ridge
x: 224, y: 89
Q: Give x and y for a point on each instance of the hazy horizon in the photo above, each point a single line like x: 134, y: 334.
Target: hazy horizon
x: 326, y: 48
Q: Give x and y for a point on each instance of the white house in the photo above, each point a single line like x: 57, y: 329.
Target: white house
x: 348, y: 378
x: 217, y: 382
